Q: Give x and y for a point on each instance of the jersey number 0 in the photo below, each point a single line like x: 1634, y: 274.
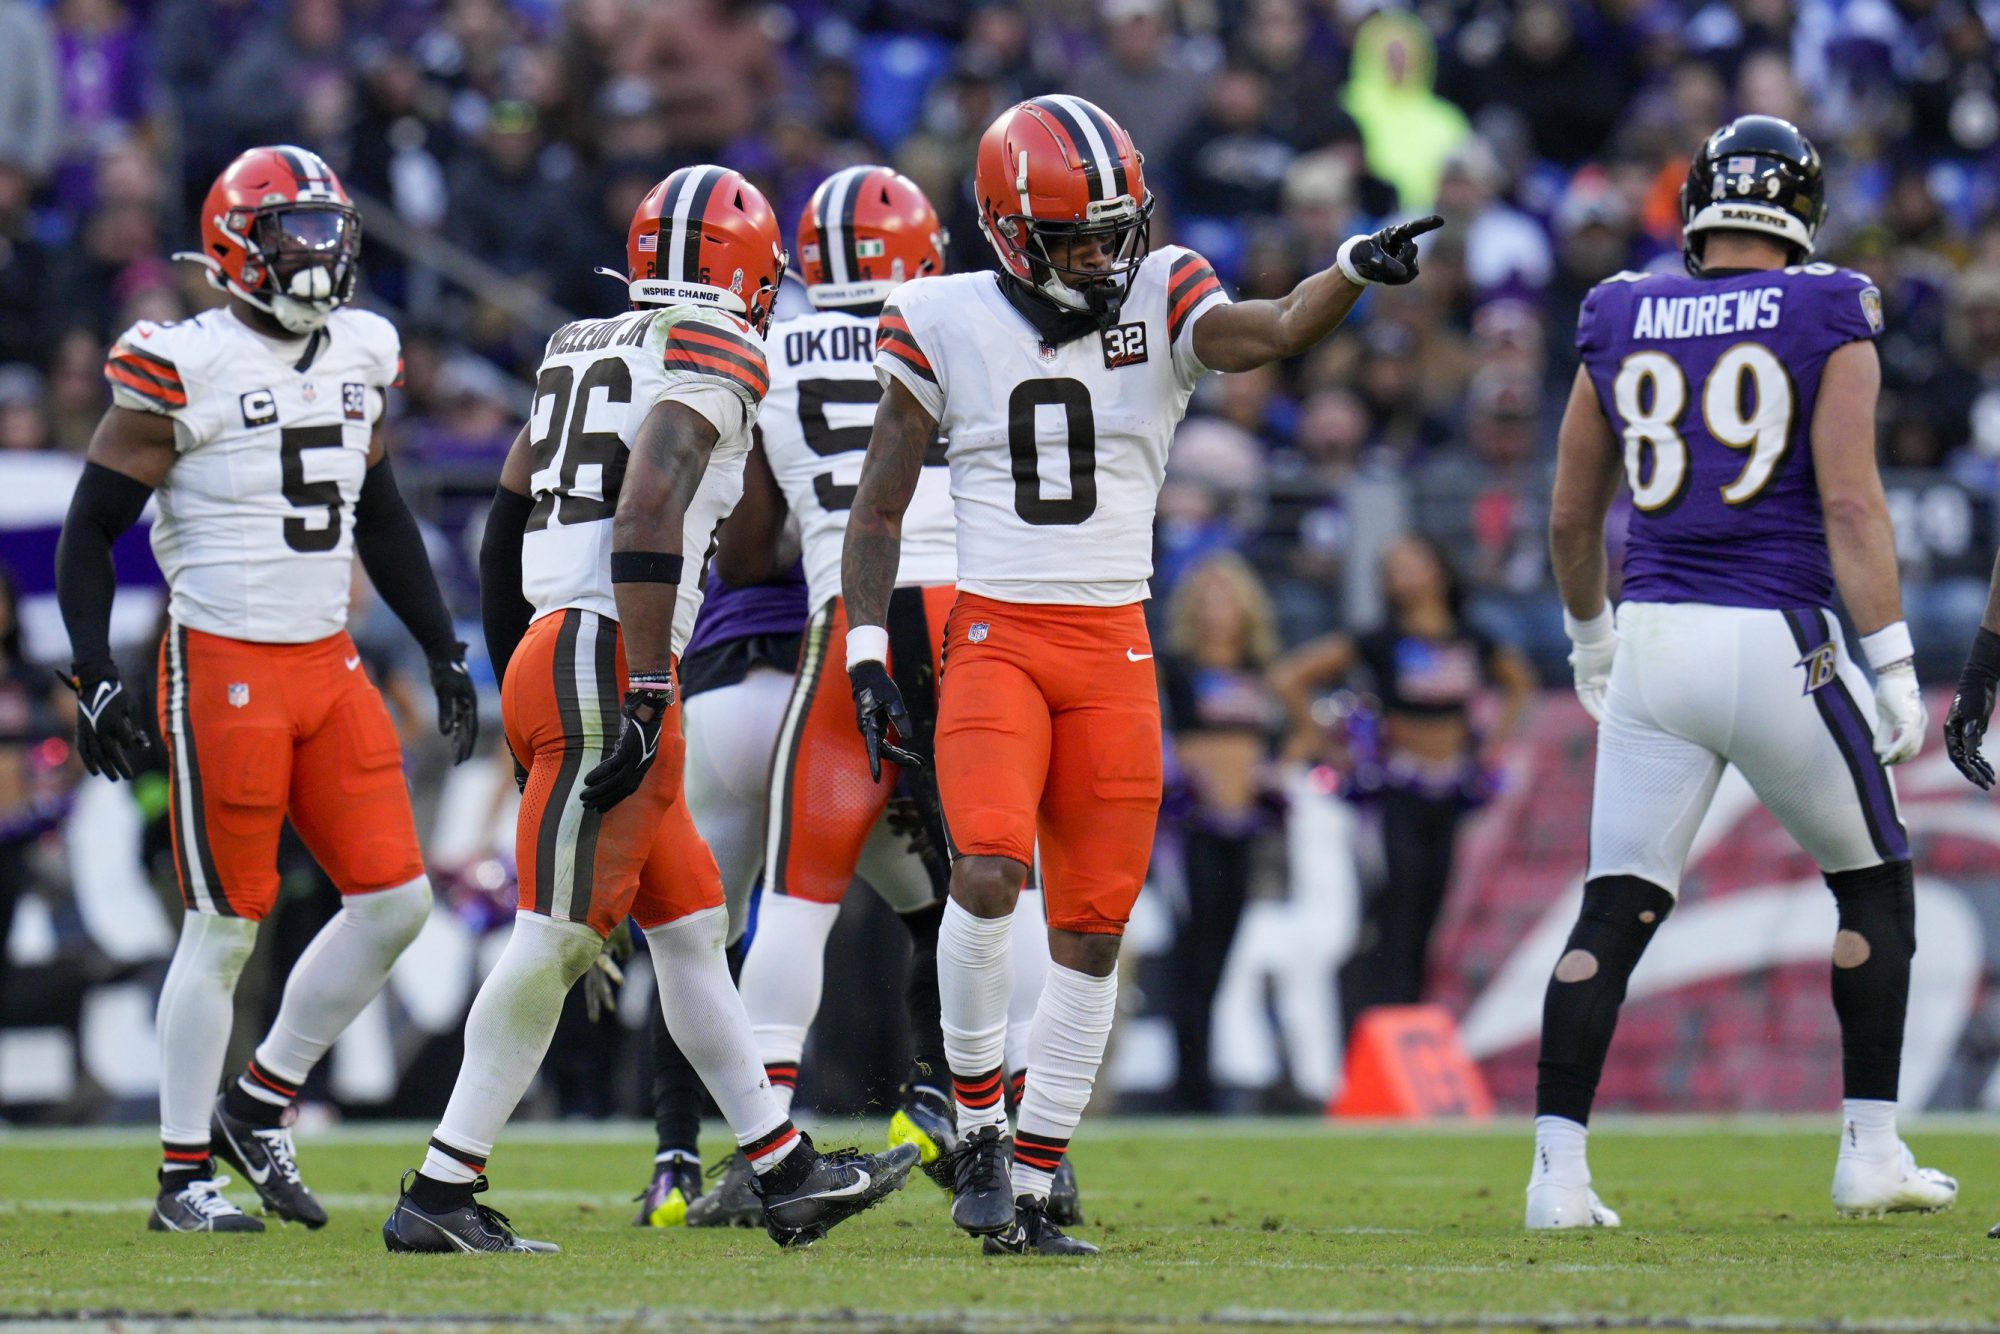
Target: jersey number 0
x: 1073, y: 398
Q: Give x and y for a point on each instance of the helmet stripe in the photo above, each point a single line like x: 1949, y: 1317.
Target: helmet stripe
x: 682, y: 215
x: 1099, y: 159
x: 1094, y: 117
x: 836, y: 223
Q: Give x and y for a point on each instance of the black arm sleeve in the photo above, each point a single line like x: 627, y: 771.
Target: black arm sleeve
x: 392, y: 551
x: 502, y: 609
x: 106, y: 503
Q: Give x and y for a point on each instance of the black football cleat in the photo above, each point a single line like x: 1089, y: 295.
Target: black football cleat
x: 472, y: 1227
x: 199, y: 1206
x: 840, y: 1185
x: 1033, y: 1232
x: 733, y: 1202
x: 926, y: 1120
x: 268, y: 1160
x: 982, y: 1182
x: 676, y: 1184
x: 1065, y: 1202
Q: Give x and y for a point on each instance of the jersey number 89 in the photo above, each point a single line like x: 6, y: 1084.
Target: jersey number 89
x: 1747, y: 403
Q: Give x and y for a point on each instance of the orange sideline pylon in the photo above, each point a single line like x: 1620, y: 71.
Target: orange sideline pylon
x: 1406, y: 1062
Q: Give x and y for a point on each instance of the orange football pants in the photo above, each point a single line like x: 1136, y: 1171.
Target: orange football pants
x: 823, y: 803
x: 257, y: 733
x: 642, y: 858
x: 1049, y: 722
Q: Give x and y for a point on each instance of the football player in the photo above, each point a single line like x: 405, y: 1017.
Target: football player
x: 865, y: 231
x: 257, y: 429
x: 1738, y: 404
x: 1057, y: 384
x: 632, y: 455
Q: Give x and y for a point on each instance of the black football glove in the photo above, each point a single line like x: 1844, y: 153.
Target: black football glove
x: 649, y: 704
x: 107, y: 731
x: 458, y: 703
x: 878, y: 707
x: 1390, y: 255
x: 1972, y: 709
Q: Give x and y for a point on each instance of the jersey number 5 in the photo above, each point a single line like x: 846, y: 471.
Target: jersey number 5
x: 1747, y: 403
x: 300, y: 534
x: 1023, y: 445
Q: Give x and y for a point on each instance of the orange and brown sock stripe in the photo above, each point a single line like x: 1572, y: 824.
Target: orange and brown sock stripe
x: 1039, y: 1151
x: 765, y: 1151
x: 979, y: 1092
x: 475, y: 1163
x: 782, y: 1074
x: 185, y: 1162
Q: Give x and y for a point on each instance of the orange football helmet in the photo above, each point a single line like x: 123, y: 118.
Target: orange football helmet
x: 278, y: 230
x: 865, y: 231
x: 706, y: 235
x: 1057, y: 168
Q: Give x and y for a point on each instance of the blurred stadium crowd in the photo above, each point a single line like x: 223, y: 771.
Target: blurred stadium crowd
x: 497, y: 147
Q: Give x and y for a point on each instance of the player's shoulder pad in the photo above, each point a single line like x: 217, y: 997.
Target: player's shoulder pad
x: 1190, y: 281
x: 1851, y: 298
x: 895, y: 338
x: 152, y: 359
x: 375, y: 333
x: 700, y: 340
x: 1600, y: 300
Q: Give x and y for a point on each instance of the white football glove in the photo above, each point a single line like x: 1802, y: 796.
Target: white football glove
x: 1899, y: 714
x: 1593, y: 644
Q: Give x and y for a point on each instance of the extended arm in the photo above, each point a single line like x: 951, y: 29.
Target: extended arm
x: 755, y: 543
x: 1587, y: 467
x: 1249, y: 334
x: 391, y: 548
x: 1862, y: 544
x: 668, y: 457
x: 129, y: 456
x: 889, y: 471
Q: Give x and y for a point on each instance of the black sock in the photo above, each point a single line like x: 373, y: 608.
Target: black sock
x: 677, y: 1093
x: 182, y: 1163
x: 439, y: 1197
x: 244, y: 1105
x: 1871, y: 974
x: 928, y: 1068
x: 791, y: 1172
x: 1580, y: 1011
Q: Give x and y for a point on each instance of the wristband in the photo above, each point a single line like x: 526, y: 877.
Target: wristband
x: 645, y: 567
x: 653, y: 682
x: 1593, y: 631
x: 1888, y: 646
x: 867, y: 643
x: 1343, y: 260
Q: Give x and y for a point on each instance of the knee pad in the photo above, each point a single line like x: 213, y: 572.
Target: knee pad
x: 1878, y: 913
x: 1620, y: 914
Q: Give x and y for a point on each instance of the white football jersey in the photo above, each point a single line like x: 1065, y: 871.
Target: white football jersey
x: 815, y: 426
x: 256, y: 518
x: 1057, y: 453
x: 598, y: 381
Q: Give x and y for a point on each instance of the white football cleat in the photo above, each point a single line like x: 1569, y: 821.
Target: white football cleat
x: 1871, y: 1187
x: 1551, y: 1205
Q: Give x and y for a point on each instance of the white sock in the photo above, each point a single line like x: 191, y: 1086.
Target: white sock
x: 1559, y: 1151
x: 708, y: 1022
x: 1868, y: 1128
x: 783, y: 976
x: 1031, y: 971
x: 507, y: 1034
x: 197, y: 1003
x: 1072, y: 1027
x: 975, y: 976
x: 343, y: 969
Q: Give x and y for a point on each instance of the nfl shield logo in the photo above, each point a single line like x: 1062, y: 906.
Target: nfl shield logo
x: 977, y: 634
x: 309, y: 391
x: 239, y: 694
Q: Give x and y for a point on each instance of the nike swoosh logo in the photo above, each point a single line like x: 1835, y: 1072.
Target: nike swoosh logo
x: 354, y: 662
x: 1130, y: 656
x: 845, y: 1192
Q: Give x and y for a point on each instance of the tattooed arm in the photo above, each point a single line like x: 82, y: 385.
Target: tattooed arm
x: 889, y: 471
x: 662, y: 472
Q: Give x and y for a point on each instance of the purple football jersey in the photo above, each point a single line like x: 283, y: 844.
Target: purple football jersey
x: 729, y: 613
x: 1709, y: 385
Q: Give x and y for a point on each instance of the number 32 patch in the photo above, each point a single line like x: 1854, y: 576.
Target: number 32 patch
x: 1124, y: 345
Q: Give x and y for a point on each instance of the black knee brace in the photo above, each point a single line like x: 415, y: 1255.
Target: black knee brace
x: 1580, y: 1012
x: 1871, y: 973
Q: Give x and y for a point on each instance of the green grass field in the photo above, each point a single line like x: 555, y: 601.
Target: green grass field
x: 1216, y: 1225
